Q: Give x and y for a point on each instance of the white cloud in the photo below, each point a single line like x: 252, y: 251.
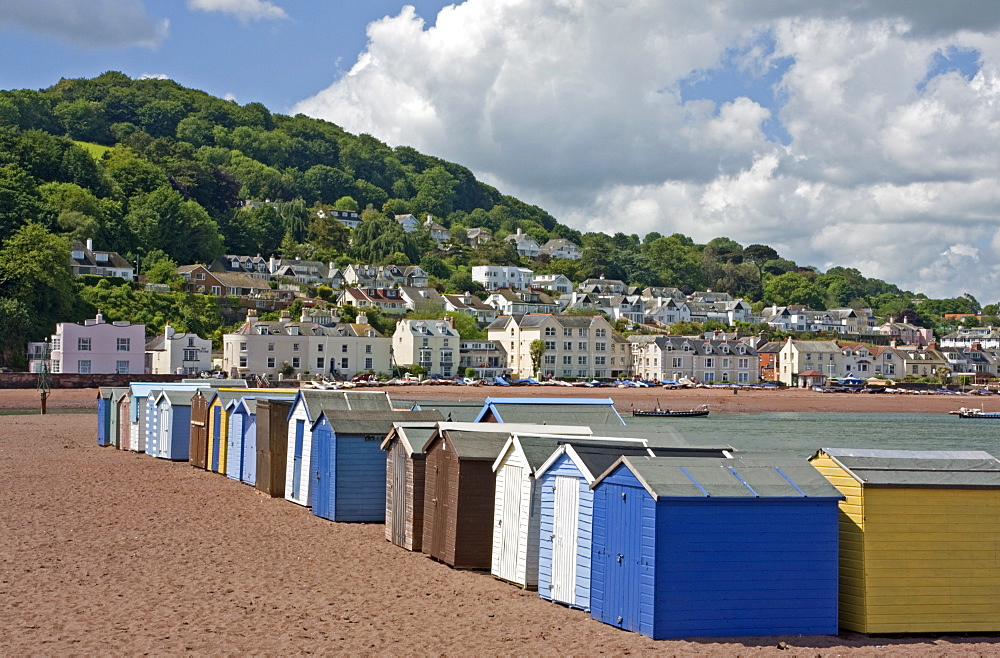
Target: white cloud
x: 154, y: 76
x: 576, y: 106
x: 244, y: 10
x: 88, y: 23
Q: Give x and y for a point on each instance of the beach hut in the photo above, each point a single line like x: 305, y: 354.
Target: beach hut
x: 919, y: 539
x: 241, y: 451
x: 459, y: 487
x: 517, y: 500
x: 306, y: 408
x: 104, y: 415
x: 272, y: 445
x: 172, y: 425
x: 550, y: 411
x: 404, y: 482
x: 453, y: 411
x: 348, y: 466
x: 714, y: 547
x: 198, y: 450
x: 114, y: 415
x: 138, y: 406
x: 124, y: 406
x: 566, y: 511
x: 152, y: 423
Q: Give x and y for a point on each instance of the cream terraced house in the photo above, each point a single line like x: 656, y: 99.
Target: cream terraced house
x: 675, y: 358
x: 431, y: 344
x: 583, y: 347
x: 339, y: 350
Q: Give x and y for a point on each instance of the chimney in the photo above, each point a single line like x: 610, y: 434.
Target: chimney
x: 362, y: 318
x: 90, y: 244
x: 100, y: 317
x: 519, y: 230
x: 168, y: 331
x: 271, y: 265
x: 305, y: 317
x: 251, y: 315
x: 892, y: 343
x: 451, y: 320
x: 285, y: 317
x: 977, y: 347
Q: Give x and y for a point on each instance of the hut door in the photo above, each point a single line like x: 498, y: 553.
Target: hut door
x: 163, y: 443
x: 397, y: 493
x: 250, y: 451
x: 123, y: 424
x: 442, y: 509
x: 234, y: 451
x: 620, y: 556
x: 565, y: 514
x: 300, y: 431
x: 216, y: 434
x: 510, y: 517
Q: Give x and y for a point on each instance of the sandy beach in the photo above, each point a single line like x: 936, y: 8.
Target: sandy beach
x: 109, y: 552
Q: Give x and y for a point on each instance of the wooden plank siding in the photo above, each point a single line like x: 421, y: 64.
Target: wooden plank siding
x: 851, y: 529
x: 198, y: 448
x: 404, y: 507
x: 564, y: 467
x: 272, y: 446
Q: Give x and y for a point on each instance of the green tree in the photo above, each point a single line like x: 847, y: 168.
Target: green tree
x: 182, y: 229
x: 346, y: 203
x: 328, y: 233
x: 537, y: 350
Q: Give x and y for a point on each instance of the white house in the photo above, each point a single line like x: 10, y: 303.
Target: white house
x: 561, y: 248
x: 179, y: 353
x: 430, y: 344
x: 524, y: 244
x: 799, y: 356
x: 518, y: 302
x: 84, y: 260
x: 495, y: 277
x: 556, y: 282
x: 408, y: 222
x: 674, y: 358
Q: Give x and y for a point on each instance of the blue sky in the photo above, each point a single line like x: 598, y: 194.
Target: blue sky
x: 277, y: 61
x: 861, y: 134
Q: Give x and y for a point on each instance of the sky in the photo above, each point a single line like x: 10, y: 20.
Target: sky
x: 862, y: 134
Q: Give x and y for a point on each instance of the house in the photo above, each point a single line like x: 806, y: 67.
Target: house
x: 524, y: 244
x: 495, y: 277
x: 517, y: 500
x: 341, y: 350
x: 408, y: 222
x: 349, y: 218
x: 518, y: 302
x: 574, y: 346
x: 768, y: 355
x: 601, y: 285
x: 181, y: 353
x: 439, y: 233
x: 425, y: 299
x: 924, y: 362
x: 486, y: 357
x: 919, y: 539
x: 593, y: 412
x: 970, y: 362
x: 84, y: 260
x: 665, y: 311
x: 679, y: 358
x: 202, y: 281
x: 471, y: 305
x: 985, y: 337
x: 561, y: 248
x: 797, y: 356
x: 306, y: 408
x: 254, y: 266
x: 431, y: 344
x: 98, y: 347
x: 298, y: 270
x: 553, y: 282
x: 384, y: 276
x: 348, y: 466
x: 908, y: 334
x: 477, y: 236
x: 727, y: 312
x: 389, y: 300
x: 668, y: 532
x: 404, y: 482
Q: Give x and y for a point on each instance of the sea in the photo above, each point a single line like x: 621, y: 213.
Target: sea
x: 802, y: 434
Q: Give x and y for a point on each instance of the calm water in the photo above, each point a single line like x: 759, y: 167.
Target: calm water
x: 803, y: 433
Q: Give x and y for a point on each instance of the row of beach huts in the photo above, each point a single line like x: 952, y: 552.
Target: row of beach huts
x: 641, y: 530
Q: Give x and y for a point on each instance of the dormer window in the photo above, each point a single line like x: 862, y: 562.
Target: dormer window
x: 293, y: 331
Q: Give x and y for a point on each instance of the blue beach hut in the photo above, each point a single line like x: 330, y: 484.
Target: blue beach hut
x: 348, y: 465
x: 715, y: 548
x: 173, y: 425
x: 104, y: 394
x: 241, y: 455
x: 550, y: 411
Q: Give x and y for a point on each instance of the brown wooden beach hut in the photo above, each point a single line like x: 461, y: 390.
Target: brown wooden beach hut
x: 404, y: 480
x: 459, y: 487
x: 198, y: 452
x: 272, y: 445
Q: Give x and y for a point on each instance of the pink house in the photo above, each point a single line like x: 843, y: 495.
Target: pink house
x: 907, y: 333
x: 99, y: 347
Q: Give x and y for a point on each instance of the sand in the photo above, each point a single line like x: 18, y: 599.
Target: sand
x: 109, y: 552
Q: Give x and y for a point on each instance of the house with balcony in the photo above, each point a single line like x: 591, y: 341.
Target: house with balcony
x: 519, y: 302
x: 705, y: 360
x: 431, y: 344
x: 495, y: 277
x: 561, y: 248
x: 553, y: 282
x: 389, y: 300
x: 524, y: 244
x: 96, y: 347
x: 438, y: 233
x: 173, y: 353
x: 665, y: 311
x: 349, y: 218
x: 470, y: 304
x: 255, y: 266
x: 603, y: 286
x: 486, y: 357
x: 988, y: 338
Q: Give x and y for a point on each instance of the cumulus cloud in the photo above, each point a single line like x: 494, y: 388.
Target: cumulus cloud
x: 89, y: 23
x: 889, y: 162
x: 244, y: 10
x: 154, y: 76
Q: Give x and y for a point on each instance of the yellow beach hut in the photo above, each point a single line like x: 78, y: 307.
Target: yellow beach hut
x: 218, y: 422
x: 919, y: 539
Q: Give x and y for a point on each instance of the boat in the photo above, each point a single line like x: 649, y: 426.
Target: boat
x: 966, y: 412
x: 668, y: 413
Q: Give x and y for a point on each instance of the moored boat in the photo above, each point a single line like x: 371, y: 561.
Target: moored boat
x: 965, y: 412
x: 668, y: 413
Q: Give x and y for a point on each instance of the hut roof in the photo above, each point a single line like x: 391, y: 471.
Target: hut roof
x: 373, y: 422
x: 586, y: 411
x: 318, y: 401
x: 452, y: 410
x: 413, y: 435
x: 177, y: 398
x: 483, y: 446
x: 538, y: 449
x: 912, y: 469
x: 673, y: 477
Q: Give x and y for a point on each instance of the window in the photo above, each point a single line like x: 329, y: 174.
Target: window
x: 295, y: 347
x: 368, y: 349
x: 568, y: 345
x: 567, y: 360
x: 190, y: 355
x: 567, y: 372
x: 83, y: 367
x: 550, y: 359
x: 190, y: 342
x: 216, y: 290
x: 725, y: 363
x: 270, y: 362
x: 270, y: 347
x: 243, y: 347
x: 243, y: 362
x: 343, y: 348
x: 124, y: 344
x: 199, y: 276
x: 83, y: 344
x: 550, y: 344
x: 743, y: 377
x: 600, y: 347
x: 677, y: 362
x: 600, y: 360
x: 550, y: 331
x: 582, y: 346
x: 296, y: 362
x: 601, y: 333
x: 56, y: 366
x: 743, y: 364
x: 709, y: 362
x: 368, y: 364
x: 343, y: 363
x: 567, y: 332
x: 121, y: 367
x: 581, y: 373
x: 320, y: 362
x: 709, y: 377
x: 319, y: 348
x: 581, y: 360
x: 582, y: 333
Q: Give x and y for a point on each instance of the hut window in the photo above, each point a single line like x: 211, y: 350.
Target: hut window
x: 243, y: 362
x: 270, y: 347
x: 295, y: 347
x: 368, y: 364
x: 368, y: 349
x: 243, y: 347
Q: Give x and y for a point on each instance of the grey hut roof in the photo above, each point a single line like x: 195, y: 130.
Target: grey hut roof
x: 538, y: 449
x: 374, y: 422
x: 554, y: 411
x: 178, y: 398
x: 413, y: 435
x: 673, y: 477
x: 464, y: 411
x: 913, y: 469
x: 318, y: 401
x: 476, y: 445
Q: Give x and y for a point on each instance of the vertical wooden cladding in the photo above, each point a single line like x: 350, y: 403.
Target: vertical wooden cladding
x: 124, y: 421
x: 198, y: 452
x: 459, y: 498
x: 405, y: 463
x: 272, y: 445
